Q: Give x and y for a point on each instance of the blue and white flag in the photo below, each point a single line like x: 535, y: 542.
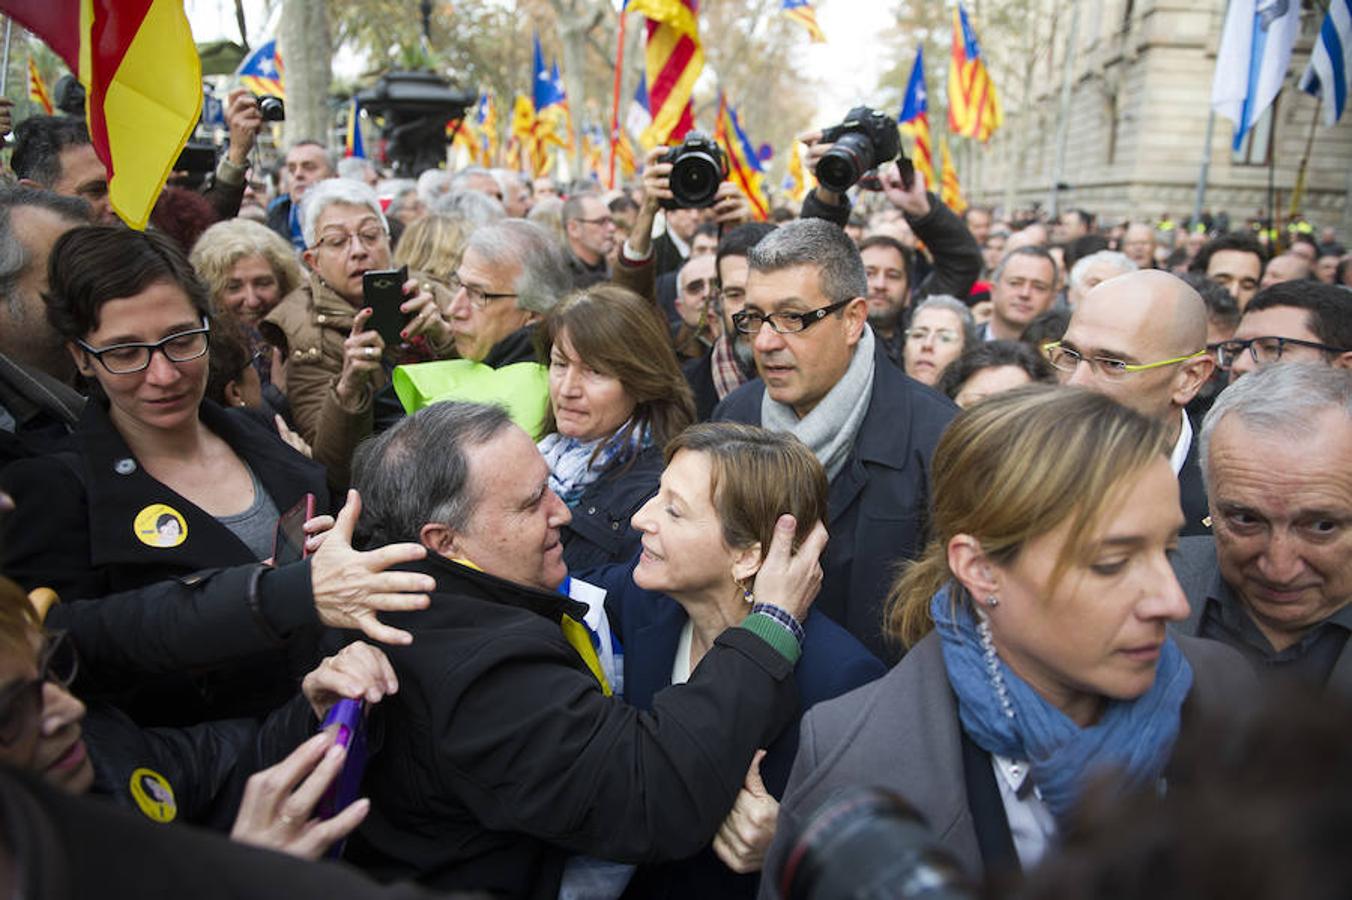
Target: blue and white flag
x: 1254, y: 55
x: 1329, y: 75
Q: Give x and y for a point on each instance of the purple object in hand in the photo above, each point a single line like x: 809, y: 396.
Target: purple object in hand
x: 347, y: 718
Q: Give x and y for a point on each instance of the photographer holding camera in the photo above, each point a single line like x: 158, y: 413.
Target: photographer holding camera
x: 844, y: 155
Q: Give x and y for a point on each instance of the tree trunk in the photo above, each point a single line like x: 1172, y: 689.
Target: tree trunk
x: 306, y: 53
x: 243, y: 29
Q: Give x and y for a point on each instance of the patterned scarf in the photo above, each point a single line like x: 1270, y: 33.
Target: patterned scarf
x: 572, y: 468
x: 727, y: 370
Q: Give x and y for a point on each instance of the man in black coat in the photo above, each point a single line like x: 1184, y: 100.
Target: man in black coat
x: 504, y: 749
x: 1276, y: 581
x: 1140, y: 338
x: 824, y: 378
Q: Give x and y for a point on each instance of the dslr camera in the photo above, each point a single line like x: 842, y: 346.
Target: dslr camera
x: 698, y: 167
x: 271, y: 107
x: 865, y: 140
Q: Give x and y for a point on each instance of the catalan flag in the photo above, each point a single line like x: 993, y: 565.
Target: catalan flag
x: 914, y: 120
x: 799, y: 181
x: 261, y: 71
x: 624, y: 154
x: 950, y: 191
x: 744, y: 168
x: 486, y: 123
x: 37, y: 88
x: 973, y: 109
x: 353, y: 145
x: 801, y: 11
x: 143, y: 85
x: 521, y: 147
x: 552, y: 123
x: 673, y: 61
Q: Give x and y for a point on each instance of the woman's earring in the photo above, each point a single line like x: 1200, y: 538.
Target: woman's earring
x: 992, y: 600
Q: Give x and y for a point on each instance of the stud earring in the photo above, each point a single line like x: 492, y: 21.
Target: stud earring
x: 992, y: 600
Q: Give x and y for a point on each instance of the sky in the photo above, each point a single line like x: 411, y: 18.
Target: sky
x: 844, y: 66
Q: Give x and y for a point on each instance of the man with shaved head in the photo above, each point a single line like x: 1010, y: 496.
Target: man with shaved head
x: 1140, y: 338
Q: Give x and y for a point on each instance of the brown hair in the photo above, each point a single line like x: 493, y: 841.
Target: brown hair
x: 758, y: 476
x: 433, y: 245
x: 1014, y: 467
x: 617, y: 332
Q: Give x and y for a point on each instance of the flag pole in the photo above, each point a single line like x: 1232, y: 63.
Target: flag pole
x: 615, y: 102
x: 4, y: 64
x: 1298, y: 192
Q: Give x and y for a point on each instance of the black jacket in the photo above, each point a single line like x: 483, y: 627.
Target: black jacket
x: 72, y: 530
x: 1192, y: 491
x: 501, y: 753
x: 879, y: 502
x: 600, y: 532
x: 44, y: 411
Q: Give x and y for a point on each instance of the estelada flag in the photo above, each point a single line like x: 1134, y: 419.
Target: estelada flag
x: 142, y: 80
x: 744, y: 168
x: 801, y: 11
x: 37, y: 88
x: 913, y: 120
x: 262, y: 72
x: 950, y: 191
x: 973, y: 108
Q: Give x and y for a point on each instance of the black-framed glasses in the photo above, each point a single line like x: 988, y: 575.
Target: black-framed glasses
x: 477, y: 296
x: 1263, y: 350
x: 21, y: 703
x: 750, y: 321
x: 124, y: 359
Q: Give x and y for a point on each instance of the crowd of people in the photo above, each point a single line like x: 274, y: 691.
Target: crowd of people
x: 640, y: 532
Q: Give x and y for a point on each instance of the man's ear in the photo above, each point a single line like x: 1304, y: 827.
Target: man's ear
x: 746, y: 563
x: 30, y: 183
x: 440, y: 539
x: 1191, y: 376
x: 970, y: 565
x: 855, y: 314
x: 1343, y: 360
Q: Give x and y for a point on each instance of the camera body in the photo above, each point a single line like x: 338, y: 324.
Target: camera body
x: 698, y: 167
x: 865, y: 140
x: 271, y: 107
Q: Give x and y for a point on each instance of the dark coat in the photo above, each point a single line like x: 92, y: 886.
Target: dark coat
x: 600, y: 533
x: 879, y: 502
x: 699, y: 374
x: 501, y: 753
x: 902, y: 733
x: 72, y: 530
x: 649, y: 627
x: 1192, y: 492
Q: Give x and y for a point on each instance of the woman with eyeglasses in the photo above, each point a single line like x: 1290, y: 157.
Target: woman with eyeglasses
x: 202, y: 775
x: 941, y: 328
x: 149, y: 453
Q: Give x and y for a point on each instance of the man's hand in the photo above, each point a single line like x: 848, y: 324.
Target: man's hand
x: 746, y: 833
x: 787, y: 579
x: 357, y: 672
x: 815, y: 151
x: 731, y: 208
x: 6, y: 116
x: 656, y: 187
x: 426, y: 317
x: 243, y: 121
x: 350, y: 586
x: 275, y: 811
x: 911, y: 200
x: 362, y: 350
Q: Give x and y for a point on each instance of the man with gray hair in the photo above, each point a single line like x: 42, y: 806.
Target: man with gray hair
x: 589, y: 230
x: 1276, y: 580
x: 504, y: 750
x: 824, y: 378
x: 307, y: 164
x: 1092, y: 270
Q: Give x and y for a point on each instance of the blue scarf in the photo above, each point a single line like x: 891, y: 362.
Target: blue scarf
x: 1006, y: 717
x: 571, y: 466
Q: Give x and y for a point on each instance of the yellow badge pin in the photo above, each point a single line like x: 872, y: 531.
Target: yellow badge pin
x: 159, y: 525
x: 154, y: 795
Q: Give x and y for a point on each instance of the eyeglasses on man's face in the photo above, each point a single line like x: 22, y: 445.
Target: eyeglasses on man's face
x: 749, y: 321
x: 478, y: 297
x: 126, y: 359
x: 1263, y: 350
x: 1067, y: 359
x: 21, y: 702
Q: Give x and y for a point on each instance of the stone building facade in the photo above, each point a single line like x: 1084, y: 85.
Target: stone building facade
x: 1139, y: 103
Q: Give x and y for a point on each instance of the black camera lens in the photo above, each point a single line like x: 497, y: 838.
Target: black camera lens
x: 271, y: 108
x: 846, y: 162
x: 695, y: 179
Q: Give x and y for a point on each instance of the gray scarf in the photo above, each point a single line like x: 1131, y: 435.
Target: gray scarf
x: 830, y: 429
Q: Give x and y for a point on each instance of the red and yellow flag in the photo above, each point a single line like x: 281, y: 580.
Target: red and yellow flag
x: 799, y: 181
x: 142, y: 80
x: 673, y: 61
x: 801, y: 11
x: 973, y: 108
x: 950, y: 191
x: 37, y: 88
x: 744, y: 169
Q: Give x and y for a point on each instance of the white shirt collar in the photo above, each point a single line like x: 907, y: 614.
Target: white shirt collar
x: 1183, y: 446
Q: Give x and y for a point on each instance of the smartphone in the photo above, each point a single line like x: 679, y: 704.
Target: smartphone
x: 289, y: 544
x: 383, y: 292
x: 347, y: 721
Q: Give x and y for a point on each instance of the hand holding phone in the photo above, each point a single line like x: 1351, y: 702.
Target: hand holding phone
x: 289, y: 544
x: 383, y: 292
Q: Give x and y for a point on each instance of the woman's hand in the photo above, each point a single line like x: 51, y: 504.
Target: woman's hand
x: 361, y: 359
x: 788, y: 579
x: 291, y: 438
x: 746, y: 833
x: 357, y: 672
x: 279, y: 802
x: 425, y: 316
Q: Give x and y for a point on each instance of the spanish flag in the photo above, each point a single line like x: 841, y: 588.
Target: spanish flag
x: 973, y: 109
x: 801, y: 11
x: 673, y: 61
x: 950, y: 191
x: 142, y: 79
x: 744, y: 169
x: 37, y: 88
